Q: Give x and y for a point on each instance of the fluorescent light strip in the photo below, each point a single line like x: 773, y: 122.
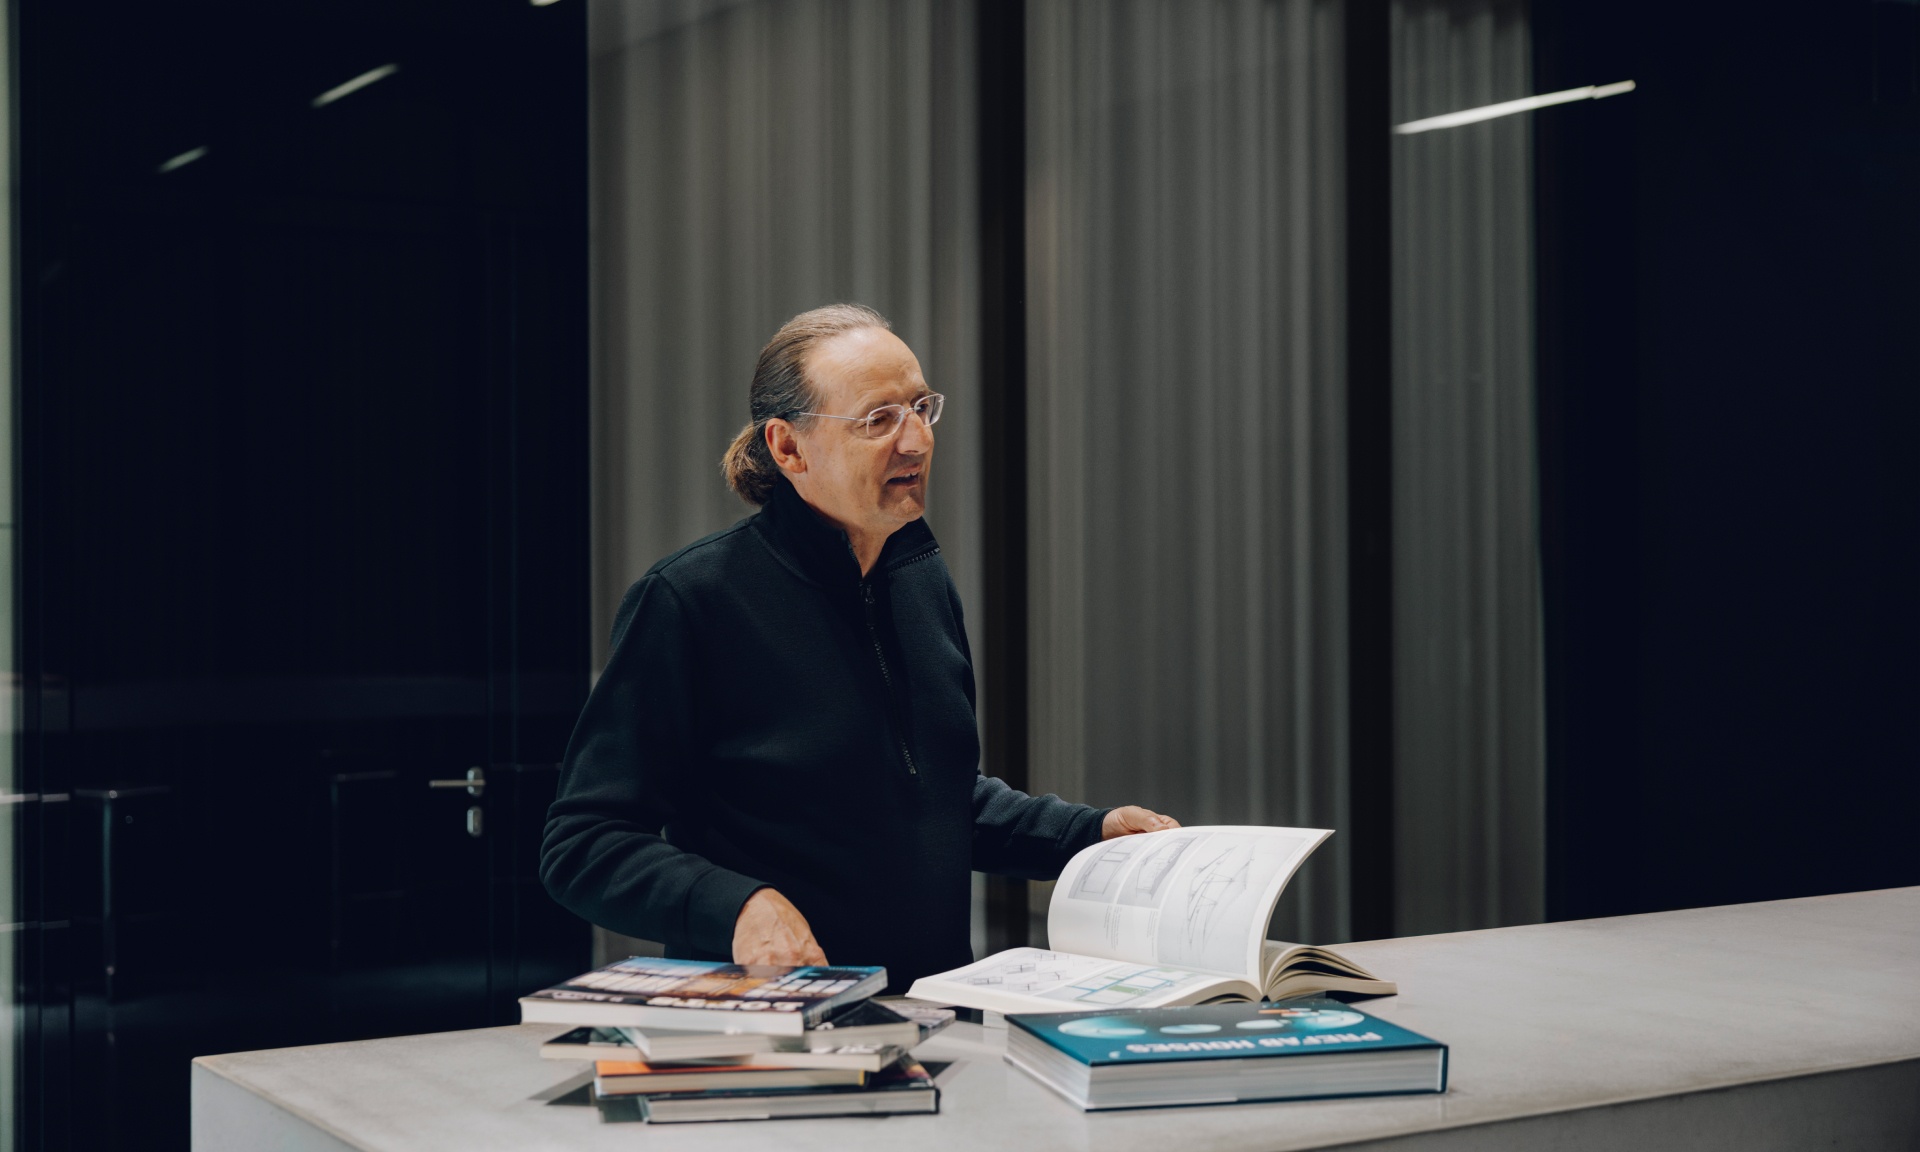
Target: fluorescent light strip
x: 544, y: 3
x: 1528, y: 104
x: 182, y: 160
x: 355, y: 84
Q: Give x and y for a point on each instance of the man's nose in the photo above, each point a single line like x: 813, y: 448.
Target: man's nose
x: 916, y: 435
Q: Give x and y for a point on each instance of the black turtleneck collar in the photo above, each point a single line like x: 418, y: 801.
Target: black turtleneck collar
x: 820, y: 553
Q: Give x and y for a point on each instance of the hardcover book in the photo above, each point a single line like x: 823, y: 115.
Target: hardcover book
x: 902, y: 1087
x: 634, y: 1078
x: 1159, y: 919
x: 589, y: 1044
x: 1223, y: 1054
x: 596, y: 1044
x: 867, y: 1023
x: 703, y: 996
x: 865, y: 1057
x: 884, y: 1022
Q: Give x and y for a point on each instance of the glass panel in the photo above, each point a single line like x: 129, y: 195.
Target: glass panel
x: 12, y: 812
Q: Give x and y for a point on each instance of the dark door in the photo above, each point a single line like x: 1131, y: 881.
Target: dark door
x: 304, y: 521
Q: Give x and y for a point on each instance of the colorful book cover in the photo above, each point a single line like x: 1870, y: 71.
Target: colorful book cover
x: 699, y: 986
x: 632, y: 1077
x: 1237, y: 1031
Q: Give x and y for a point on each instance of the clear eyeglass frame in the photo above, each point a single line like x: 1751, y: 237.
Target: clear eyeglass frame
x: 888, y: 419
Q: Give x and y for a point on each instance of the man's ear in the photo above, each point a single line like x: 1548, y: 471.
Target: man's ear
x: 784, y: 445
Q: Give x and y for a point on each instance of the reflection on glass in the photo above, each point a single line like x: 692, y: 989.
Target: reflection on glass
x: 372, y: 76
x: 1512, y: 107
x: 184, y: 159
x: 10, y: 810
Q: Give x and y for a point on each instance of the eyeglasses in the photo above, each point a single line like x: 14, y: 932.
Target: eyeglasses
x: 885, y: 420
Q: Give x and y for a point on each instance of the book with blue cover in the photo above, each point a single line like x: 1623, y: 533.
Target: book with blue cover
x: 702, y: 996
x: 1223, y: 1054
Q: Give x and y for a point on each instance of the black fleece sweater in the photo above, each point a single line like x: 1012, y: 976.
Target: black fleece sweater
x: 769, y: 717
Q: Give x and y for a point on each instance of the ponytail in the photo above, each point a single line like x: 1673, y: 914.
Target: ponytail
x: 749, y: 467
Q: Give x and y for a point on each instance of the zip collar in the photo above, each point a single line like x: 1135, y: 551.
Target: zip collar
x: 820, y: 553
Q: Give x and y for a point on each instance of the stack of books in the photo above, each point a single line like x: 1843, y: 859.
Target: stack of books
x: 690, y: 1040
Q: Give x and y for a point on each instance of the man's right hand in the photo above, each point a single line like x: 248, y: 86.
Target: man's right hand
x: 771, y: 930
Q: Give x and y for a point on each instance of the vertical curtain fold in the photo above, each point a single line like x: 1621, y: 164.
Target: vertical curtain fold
x: 1186, y: 371
x: 752, y: 159
x: 755, y: 161
x: 1185, y: 225
x: 1469, y: 720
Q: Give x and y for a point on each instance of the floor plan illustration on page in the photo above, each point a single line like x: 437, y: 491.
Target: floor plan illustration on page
x: 1030, y: 971
x: 1072, y: 979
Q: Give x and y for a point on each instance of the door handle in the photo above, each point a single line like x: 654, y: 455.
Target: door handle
x: 475, y: 782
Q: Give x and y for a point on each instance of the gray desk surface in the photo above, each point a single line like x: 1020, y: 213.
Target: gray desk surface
x: 1544, y: 1021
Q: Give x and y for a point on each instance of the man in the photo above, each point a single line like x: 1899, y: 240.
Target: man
x: 779, y: 764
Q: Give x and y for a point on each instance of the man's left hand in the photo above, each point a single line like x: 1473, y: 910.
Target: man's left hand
x: 1133, y: 818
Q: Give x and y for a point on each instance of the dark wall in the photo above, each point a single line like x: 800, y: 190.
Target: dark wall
x: 1729, y: 277
x: 303, y: 454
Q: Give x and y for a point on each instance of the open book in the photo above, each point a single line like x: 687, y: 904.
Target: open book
x: 1158, y: 919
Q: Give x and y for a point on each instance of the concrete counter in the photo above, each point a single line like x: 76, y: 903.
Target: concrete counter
x: 1788, y: 1024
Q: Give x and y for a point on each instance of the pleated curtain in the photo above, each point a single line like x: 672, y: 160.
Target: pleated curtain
x: 752, y: 160
x: 1186, y: 335
x: 1469, y: 722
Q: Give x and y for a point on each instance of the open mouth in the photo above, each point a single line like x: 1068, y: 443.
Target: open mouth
x: 904, y: 480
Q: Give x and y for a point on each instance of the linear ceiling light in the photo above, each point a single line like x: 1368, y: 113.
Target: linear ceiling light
x: 354, y: 85
x: 1490, y: 111
x: 184, y: 159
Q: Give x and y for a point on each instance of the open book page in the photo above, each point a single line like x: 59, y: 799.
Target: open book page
x: 1187, y: 898
x: 1296, y: 969
x: 1039, y: 980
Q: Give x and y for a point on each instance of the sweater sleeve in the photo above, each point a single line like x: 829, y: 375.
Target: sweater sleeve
x: 1032, y: 837
x: 627, y: 774
x: 1015, y: 834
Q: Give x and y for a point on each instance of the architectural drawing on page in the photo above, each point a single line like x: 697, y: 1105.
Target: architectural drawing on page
x: 1185, y: 899
x: 1220, y: 877
x: 1216, y: 917
x: 1101, y: 876
x: 1150, y: 883
x: 1072, y: 980
x: 1126, y: 984
x: 1029, y: 971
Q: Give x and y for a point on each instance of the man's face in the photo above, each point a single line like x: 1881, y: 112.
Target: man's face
x: 867, y: 484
